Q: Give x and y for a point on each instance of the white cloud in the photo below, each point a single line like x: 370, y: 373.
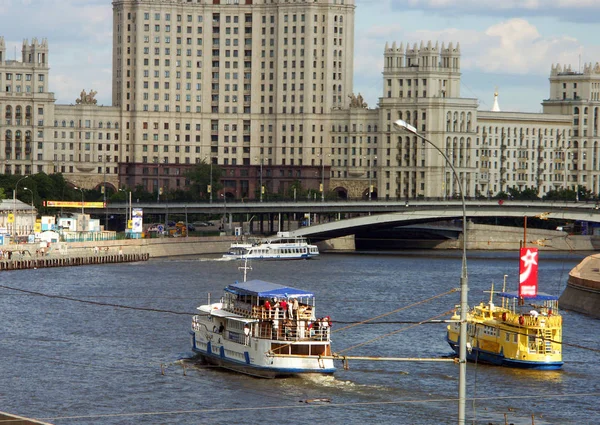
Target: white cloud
x: 79, y: 34
x: 566, y: 10
x: 513, y: 47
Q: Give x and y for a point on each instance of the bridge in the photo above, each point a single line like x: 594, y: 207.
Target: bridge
x: 376, y: 214
x: 427, y: 211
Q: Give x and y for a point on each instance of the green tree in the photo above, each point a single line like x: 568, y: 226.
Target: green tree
x: 295, y: 190
x: 583, y: 194
x: 200, y: 178
x: 525, y: 194
x: 560, y: 195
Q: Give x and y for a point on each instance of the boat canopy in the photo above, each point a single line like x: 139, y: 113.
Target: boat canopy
x: 539, y: 297
x: 266, y: 290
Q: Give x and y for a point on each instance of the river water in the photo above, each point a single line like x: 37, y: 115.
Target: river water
x: 68, y: 362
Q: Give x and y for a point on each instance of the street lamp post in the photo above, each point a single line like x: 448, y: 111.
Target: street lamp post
x: 104, y: 196
x: 82, y: 203
x: 32, y: 219
x: 261, y: 178
x: 128, y: 209
x: 322, y: 178
x: 370, y: 175
x: 14, y: 230
x: 224, y: 210
x: 210, y: 182
x: 322, y: 156
x: 464, y: 287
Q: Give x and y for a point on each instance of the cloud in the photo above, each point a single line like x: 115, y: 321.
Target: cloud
x: 564, y: 10
x: 79, y: 34
x: 513, y: 47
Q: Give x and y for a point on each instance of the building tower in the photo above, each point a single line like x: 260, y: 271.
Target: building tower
x: 233, y: 83
x: 422, y: 87
x: 24, y: 104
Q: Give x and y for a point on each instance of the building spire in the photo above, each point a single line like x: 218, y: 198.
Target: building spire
x: 496, y: 107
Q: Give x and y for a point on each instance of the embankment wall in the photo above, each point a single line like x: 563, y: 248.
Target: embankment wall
x: 582, y: 293
x: 500, y: 238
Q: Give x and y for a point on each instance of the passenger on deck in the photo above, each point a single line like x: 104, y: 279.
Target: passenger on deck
x: 533, y: 313
x: 284, y: 306
x: 311, y: 329
x: 287, y: 329
x: 246, y: 334
x: 267, y: 306
x: 276, y: 307
x: 290, y: 306
x: 295, y: 308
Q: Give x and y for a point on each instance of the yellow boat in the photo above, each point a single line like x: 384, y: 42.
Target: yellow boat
x: 523, y: 332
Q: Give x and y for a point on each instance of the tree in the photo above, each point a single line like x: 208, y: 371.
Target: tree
x: 200, y: 178
x: 525, y: 194
x: 560, y: 195
x: 583, y: 194
x: 295, y: 191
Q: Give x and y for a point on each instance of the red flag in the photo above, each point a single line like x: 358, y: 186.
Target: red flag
x: 528, y: 273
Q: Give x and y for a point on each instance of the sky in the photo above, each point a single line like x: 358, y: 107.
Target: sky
x: 508, y: 45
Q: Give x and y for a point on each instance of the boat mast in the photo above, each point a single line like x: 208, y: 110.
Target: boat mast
x: 524, y: 244
x: 245, y: 268
x: 504, y: 290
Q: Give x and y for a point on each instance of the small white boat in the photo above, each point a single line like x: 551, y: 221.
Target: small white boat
x: 282, y: 247
x: 253, y: 330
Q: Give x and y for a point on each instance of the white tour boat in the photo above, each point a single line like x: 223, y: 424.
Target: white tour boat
x: 282, y: 247
x: 253, y: 330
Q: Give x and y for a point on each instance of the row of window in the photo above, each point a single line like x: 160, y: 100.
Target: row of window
x: 19, y: 77
x: 87, y: 135
x: 87, y: 124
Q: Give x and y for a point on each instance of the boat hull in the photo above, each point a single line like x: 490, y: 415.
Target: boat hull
x: 267, y: 257
x: 249, y: 360
x: 258, y: 372
x: 477, y: 355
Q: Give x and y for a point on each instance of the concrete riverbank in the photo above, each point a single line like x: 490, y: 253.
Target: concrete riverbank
x: 484, y: 237
x: 582, y: 293
x: 29, y: 256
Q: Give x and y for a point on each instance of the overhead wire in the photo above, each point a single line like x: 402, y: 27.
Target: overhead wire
x: 350, y: 324
x: 493, y: 397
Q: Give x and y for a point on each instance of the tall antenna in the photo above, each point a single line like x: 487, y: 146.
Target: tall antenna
x: 245, y: 267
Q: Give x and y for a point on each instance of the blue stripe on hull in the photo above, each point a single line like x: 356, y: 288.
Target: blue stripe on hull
x: 481, y: 356
x: 258, y: 371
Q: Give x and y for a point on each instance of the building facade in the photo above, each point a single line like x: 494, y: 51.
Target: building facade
x: 263, y: 88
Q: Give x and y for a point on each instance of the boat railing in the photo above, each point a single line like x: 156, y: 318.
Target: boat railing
x: 529, y: 320
x: 303, y: 313
x: 288, y: 330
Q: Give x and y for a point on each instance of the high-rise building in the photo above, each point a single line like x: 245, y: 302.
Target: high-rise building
x: 233, y: 83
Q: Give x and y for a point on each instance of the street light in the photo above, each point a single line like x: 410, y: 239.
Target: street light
x: 129, y: 211
x: 261, y: 178
x: 370, y: 174
x: 224, y: 195
x: 32, y: 219
x: 210, y: 185
x: 322, y: 157
x: 82, y: 203
x: 104, y: 197
x: 464, y: 287
x: 14, y: 232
